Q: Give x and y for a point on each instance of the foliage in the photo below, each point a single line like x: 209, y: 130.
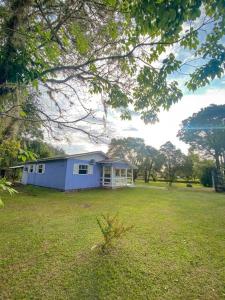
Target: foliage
x: 123, y: 50
x: 206, y: 168
x: 146, y: 158
x: 112, y: 230
x: 206, y: 176
x: 42, y: 149
x: 173, y: 161
x: 205, y: 131
x: 5, y: 186
x: 150, y: 163
x: 130, y: 149
x: 9, y: 151
x: 187, y: 168
x: 12, y: 152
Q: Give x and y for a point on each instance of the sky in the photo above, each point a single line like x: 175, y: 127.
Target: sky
x: 169, y: 121
x: 157, y: 134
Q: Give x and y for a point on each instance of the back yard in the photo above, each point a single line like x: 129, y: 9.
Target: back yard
x: 175, y: 251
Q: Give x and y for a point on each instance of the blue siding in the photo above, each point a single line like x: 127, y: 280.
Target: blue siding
x: 77, y: 181
x: 53, y: 177
x: 59, y: 174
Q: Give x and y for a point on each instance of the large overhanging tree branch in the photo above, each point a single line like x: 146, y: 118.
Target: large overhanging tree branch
x: 123, y: 50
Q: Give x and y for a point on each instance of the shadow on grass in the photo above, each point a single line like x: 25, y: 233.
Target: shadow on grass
x: 106, y: 276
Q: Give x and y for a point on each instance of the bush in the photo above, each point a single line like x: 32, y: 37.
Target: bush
x: 112, y: 229
x: 189, y: 185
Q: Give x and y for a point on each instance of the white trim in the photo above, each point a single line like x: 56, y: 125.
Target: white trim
x: 90, y: 169
x: 82, y: 169
x: 42, y: 169
x: 76, y: 169
x: 31, y: 167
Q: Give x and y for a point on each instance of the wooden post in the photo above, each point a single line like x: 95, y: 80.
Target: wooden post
x: 132, y: 176
x: 103, y: 176
x: 112, y: 178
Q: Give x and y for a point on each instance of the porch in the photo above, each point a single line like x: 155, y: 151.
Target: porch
x: 115, y: 177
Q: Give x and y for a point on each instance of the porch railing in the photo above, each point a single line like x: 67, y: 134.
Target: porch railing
x: 116, y: 181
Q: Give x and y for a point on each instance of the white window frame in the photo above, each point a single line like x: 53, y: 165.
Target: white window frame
x: 26, y: 168
x: 77, y: 167
x: 84, y: 169
x: 42, y: 169
x: 32, y: 167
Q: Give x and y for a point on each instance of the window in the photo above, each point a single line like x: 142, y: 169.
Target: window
x: 25, y: 168
x: 31, y: 168
x: 117, y: 172
x: 83, y: 169
x: 107, y: 171
x: 123, y: 172
x: 40, y: 168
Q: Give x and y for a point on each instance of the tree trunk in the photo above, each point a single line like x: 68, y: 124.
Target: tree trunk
x: 145, y: 176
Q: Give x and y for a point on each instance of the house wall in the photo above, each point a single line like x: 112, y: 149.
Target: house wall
x: 53, y: 177
x: 82, y: 181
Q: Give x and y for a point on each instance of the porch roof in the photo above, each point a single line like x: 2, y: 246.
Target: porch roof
x: 112, y: 161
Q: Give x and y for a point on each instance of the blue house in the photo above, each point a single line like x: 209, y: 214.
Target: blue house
x: 79, y: 171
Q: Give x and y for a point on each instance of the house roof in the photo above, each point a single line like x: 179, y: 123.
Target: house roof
x: 63, y: 157
x: 17, y: 167
x: 107, y: 160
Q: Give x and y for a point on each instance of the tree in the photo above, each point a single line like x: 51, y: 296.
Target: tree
x: 173, y: 160
x: 130, y: 149
x: 122, y: 50
x: 205, y: 132
x: 150, y: 162
x: 187, y: 168
x: 42, y: 149
x: 146, y: 158
x: 206, y: 170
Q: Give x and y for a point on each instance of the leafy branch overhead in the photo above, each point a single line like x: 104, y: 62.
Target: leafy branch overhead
x: 127, y: 51
x: 5, y: 186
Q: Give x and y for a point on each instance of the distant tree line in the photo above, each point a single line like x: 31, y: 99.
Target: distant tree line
x: 203, y: 131
x: 167, y: 163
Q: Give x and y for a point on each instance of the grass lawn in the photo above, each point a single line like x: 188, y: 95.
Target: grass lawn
x: 175, y: 251
x: 166, y: 184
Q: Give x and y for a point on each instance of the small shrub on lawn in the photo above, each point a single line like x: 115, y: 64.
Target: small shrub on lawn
x: 112, y: 229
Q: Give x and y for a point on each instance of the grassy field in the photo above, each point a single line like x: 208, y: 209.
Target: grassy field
x: 166, y: 184
x: 175, y: 251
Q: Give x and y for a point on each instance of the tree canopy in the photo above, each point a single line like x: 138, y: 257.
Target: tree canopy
x: 121, y: 50
x: 205, y: 131
x: 173, y: 161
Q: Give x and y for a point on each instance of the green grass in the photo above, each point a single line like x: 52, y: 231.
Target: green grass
x: 166, y: 184
x: 175, y: 251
